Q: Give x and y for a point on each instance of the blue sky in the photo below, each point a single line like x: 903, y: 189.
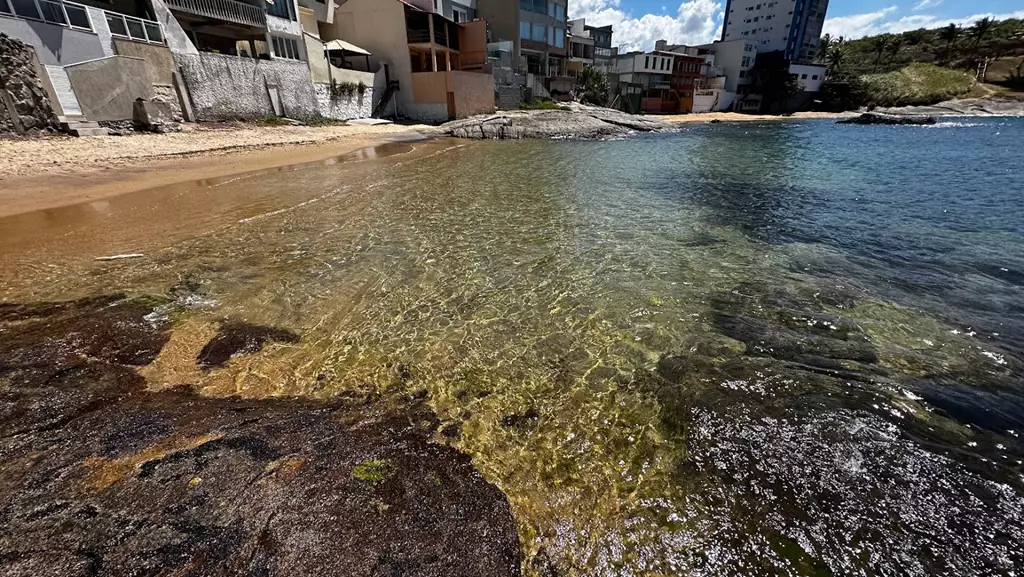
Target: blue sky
x: 638, y: 23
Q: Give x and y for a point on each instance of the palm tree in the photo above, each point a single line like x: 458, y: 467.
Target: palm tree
x: 880, y: 43
x: 915, y: 37
x: 894, y: 47
x: 981, y: 29
x: 949, y: 34
x: 823, y: 47
x: 834, y: 57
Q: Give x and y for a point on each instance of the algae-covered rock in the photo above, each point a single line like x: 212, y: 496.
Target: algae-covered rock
x: 103, y: 478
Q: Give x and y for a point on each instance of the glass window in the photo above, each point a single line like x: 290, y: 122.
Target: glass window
x: 560, y: 13
x: 524, y: 30
x: 52, y: 13
x: 814, y: 77
x: 116, y: 24
x: 560, y: 39
x: 135, y: 29
x: 551, y: 9
x: 77, y: 16
x: 5, y: 7
x: 647, y: 61
x: 803, y: 77
x: 26, y: 9
x: 153, y: 31
x: 540, y: 32
x: 459, y: 15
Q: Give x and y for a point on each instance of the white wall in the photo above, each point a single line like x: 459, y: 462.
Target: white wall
x: 766, y: 23
x: 733, y: 57
x: 815, y: 76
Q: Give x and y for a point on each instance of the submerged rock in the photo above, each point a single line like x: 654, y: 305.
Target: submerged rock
x: 240, y: 338
x: 878, y: 118
x: 577, y: 122
x: 103, y: 478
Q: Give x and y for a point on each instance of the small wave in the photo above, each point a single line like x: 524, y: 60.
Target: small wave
x: 953, y: 124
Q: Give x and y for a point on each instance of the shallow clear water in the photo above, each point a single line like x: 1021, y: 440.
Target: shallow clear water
x: 791, y: 348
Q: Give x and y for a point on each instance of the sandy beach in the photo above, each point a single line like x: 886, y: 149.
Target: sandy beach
x: 48, y: 172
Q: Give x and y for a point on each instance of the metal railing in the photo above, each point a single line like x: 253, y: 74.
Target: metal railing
x: 54, y: 12
x: 227, y: 10
x: 133, y: 28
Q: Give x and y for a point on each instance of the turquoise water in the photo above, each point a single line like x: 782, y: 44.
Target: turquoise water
x: 791, y: 348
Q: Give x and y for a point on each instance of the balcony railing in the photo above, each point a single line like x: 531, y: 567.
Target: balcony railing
x: 227, y: 10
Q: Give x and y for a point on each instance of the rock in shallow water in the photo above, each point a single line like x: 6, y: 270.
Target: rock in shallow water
x: 877, y: 118
x: 103, y: 478
x: 579, y: 122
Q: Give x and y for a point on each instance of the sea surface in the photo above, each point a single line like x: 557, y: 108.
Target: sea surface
x: 790, y: 348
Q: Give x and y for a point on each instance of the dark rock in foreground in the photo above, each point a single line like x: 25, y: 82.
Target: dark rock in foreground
x: 103, y: 478
x: 577, y: 122
x: 878, y: 118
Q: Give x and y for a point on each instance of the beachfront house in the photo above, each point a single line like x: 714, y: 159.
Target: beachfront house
x: 432, y: 68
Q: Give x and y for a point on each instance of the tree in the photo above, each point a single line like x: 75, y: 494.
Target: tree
x: 915, y: 37
x: 823, y: 47
x: 981, y: 29
x: 894, y: 47
x: 592, y: 87
x: 879, y: 44
x: 949, y: 35
x: 834, y: 57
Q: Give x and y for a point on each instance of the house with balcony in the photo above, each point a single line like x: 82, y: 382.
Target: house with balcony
x: 97, y: 57
x: 659, y: 81
x: 432, y: 69
x: 581, y: 47
x: 604, y: 53
x: 537, y: 30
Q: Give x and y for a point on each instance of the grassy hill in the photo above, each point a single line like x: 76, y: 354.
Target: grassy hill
x: 915, y: 84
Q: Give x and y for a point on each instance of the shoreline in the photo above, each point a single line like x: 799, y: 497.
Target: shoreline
x: 707, y: 117
x: 54, y: 172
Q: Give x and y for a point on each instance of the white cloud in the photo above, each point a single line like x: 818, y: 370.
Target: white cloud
x: 884, y: 21
x: 926, y: 4
x: 696, y: 22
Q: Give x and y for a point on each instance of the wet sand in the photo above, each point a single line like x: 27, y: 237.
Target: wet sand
x: 45, y: 173
x: 738, y: 117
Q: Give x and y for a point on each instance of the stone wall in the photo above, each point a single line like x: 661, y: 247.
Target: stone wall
x: 231, y: 87
x: 24, y: 105
x: 509, y: 97
x: 343, y: 107
x: 107, y: 88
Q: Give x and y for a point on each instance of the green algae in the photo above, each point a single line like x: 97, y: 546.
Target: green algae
x: 374, y: 472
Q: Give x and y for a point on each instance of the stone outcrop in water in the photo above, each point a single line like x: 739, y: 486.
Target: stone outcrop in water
x: 577, y: 122
x: 878, y: 118
x: 104, y: 478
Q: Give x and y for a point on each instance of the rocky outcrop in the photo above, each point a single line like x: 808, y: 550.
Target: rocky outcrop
x: 990, y: 106
x: 576, y: 122
x: 878, y: 118
x: 24, y: 105
x: 104, y: 478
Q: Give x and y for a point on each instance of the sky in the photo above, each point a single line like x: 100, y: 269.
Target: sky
x: 638, y: 23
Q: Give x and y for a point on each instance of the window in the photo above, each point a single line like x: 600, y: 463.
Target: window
x: 286, y: 48
x: 560, y: 39
x: 560, y: 13
x: 281, y: 9
x: 458, y: 15
x: 814, y: 77
x: 803, y: 77
x: 540, y: 6
x: 647, y: 61
x: 524, y: 30
x: 540, y: 33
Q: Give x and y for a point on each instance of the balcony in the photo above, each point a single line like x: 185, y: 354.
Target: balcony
x: 227, y: 10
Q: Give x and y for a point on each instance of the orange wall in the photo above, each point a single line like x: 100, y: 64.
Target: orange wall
x: 474, y: 93
x: 430, y: 87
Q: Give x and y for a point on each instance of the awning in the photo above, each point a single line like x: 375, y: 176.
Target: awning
x: 342, y: 45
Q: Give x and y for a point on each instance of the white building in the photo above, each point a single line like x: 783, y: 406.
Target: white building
x: 791, y: 26
x: 734, y: 59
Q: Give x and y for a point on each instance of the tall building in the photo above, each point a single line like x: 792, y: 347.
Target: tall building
x: 535, y: 27
x: 792, y: 26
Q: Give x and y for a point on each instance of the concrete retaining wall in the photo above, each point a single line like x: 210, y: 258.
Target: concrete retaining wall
x: 107, y: 88
x: 343, y: 107
x: 509, y: 97
x: 229, y: 87
x: 24, y: 105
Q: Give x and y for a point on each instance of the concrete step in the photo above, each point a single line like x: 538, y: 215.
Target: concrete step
x: 98, y: 131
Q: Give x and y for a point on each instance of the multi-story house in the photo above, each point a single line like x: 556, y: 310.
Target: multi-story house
x: 791, y: 26
x: 432, y: 68
x: 660, y: 81
x: 604, y: 52
x: 537, y: 29
x: 581, y: 47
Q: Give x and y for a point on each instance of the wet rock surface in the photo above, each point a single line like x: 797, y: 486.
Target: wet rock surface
x: 240, y: 338
x: 578, y: 122
x: 877, y: 118
x: 103, y: 478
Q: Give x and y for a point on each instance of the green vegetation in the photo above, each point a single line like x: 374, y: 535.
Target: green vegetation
x: 592, y: 87
x: 374, y: 472
x: 922, y: 66
x: 915, y: 84
x: 347, y: 89
x: 324, y: 121
x: 270, y: 120
x: 541, y: 105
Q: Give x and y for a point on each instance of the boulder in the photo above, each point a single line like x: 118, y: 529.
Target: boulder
x: 577, y: 122
x: 879, y: 118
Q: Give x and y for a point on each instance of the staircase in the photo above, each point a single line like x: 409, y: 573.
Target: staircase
x: 385, y: 100
x: 79, y: 126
